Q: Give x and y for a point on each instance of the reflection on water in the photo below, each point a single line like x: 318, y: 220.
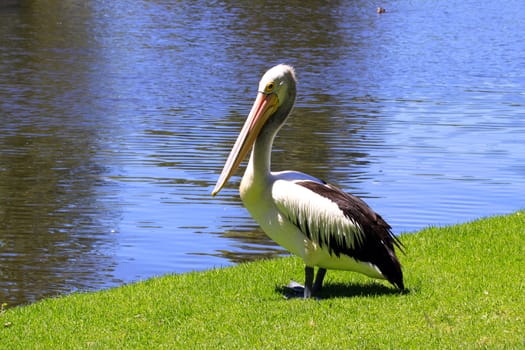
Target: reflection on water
x: 116, y: 118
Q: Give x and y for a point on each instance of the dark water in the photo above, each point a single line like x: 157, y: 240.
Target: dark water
x: 116, y: 118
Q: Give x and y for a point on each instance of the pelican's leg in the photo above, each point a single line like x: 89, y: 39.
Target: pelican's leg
x: 318, y: 285
x: 308, y: 281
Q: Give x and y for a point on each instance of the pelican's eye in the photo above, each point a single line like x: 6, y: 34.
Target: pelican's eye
x: 269, y: 87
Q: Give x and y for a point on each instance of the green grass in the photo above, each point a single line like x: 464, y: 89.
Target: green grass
x: 466, y: 290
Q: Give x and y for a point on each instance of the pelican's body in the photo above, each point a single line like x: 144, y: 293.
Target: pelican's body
x: 277, y: 209
x: 325, y: 226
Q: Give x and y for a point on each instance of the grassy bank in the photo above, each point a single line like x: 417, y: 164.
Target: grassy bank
x: 466, y: 290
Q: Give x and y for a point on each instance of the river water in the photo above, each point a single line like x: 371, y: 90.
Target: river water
x: 117, y: 116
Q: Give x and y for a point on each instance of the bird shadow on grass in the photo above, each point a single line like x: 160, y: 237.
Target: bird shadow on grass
x: 344, y: 290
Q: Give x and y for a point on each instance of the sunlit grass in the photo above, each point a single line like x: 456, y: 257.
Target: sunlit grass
x: 466, y: 290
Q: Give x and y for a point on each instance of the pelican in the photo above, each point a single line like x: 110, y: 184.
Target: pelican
x: 326, y: 227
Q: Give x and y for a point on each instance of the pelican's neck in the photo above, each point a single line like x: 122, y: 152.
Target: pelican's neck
x: 261, y: 156
x: 258, y: 171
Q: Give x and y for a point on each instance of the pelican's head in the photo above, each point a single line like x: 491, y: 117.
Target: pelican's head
x: 275, y: 99
x: 279, y: 81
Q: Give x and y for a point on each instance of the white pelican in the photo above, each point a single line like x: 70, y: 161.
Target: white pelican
x: 325, y: 226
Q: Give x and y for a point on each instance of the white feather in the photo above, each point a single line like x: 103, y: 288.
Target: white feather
x: 316, y: 216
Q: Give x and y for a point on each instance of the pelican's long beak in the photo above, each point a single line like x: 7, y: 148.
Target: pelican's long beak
x: 264, y: 106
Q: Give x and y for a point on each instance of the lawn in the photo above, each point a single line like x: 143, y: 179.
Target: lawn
x: 466, y: 287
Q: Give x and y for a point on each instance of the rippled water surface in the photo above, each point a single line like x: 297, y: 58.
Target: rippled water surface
x: 116, y: 118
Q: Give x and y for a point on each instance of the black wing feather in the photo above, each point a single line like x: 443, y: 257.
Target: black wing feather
x: 377, y: 247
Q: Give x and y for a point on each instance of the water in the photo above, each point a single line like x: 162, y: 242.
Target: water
x: 116, y: 119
